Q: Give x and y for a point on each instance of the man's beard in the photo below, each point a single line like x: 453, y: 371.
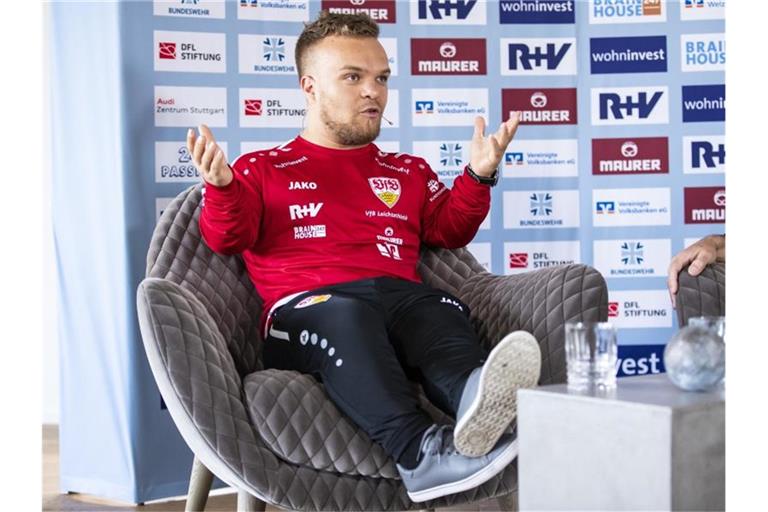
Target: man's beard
x: 349, y: 134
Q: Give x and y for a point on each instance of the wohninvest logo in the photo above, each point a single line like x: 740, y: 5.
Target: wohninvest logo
x: 704, y: 205
x: 702, y: 52
x: 448, y: 107
x: 534, y: 209
x: 631, y: 207
x: 525, y: 256
x: 627, y: 11
x: 632, y: 258
x: 196, y: 52
x: 628, y: 54
x: 382, y: 11
x: 702, y: 103
x: 637, y: 155
x: 630, y: 105
x: 448, y: 57
x: 537, y: 11
x: 534, y: 56
x: 271, y: 54
x: 704, y: 154
x: 271, y: 108
x: 189, y: 9
x: 540, y: 106
x: 448, y: 12
x: 691, y: 10
x: 640, y: 360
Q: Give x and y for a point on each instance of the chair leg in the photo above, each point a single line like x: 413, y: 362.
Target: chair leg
x: 508, y: 502
x: 199, y: 486
x: 247, y: 502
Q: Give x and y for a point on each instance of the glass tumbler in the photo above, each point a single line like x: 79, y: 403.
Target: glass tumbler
x: 591, y: 355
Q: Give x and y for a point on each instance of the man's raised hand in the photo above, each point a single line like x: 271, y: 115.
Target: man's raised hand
x: 208, y: 157
x: 487, y: 151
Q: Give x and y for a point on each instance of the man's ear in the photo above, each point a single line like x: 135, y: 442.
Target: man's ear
x: 307, y: 85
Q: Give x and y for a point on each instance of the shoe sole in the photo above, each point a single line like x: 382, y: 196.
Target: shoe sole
x: 495, y: 467
x: 513, y: 364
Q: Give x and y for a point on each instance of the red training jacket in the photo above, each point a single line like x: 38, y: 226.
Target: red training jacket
x: 305, y: 216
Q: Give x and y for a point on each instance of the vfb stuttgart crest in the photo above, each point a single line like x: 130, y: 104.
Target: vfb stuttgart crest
x: 386, y: 189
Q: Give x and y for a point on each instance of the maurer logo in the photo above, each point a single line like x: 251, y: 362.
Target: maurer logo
x: 704, y: 205
x: 383, y: 11
x: 540, y: 106
x: 448, y: 57
x: 639, y: 155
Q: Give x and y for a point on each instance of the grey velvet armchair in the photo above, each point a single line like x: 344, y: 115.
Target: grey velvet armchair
x: 274, y: 435
x: 703, y: 295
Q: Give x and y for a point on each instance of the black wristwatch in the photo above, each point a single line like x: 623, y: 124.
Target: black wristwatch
x: 491, y: 180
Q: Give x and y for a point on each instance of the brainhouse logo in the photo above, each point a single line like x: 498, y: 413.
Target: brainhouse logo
x: 540, y: 106
x: 448, y: 57
x: 703, y: 103
x: 538, y: 56
x: 525, y: 256
x: 541, y: 209
x: 639, y: 155
x: 448, y: 12
x: 627, y: 11
x: 537, y: 11
x: 704, y: 205
x: 189, y: 52
x: 630, y: 105
x: 704, y: 154
x: 382, y: 11
x: 189, y: 8
x: 702, y: 10
x: 702, y: 52
x: 628, y: 54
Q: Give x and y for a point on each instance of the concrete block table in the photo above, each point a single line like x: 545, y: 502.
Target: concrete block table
x: 645, y: 446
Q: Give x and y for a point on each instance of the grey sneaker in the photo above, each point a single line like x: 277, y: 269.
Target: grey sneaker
x: 489, y: 400
x: 443, y: 471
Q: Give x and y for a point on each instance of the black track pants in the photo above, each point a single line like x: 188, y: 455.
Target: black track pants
x: 364, y: 340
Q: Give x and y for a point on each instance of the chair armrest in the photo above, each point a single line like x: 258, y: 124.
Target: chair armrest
x: 703, y: 295
x: 200, y: 385
x: 540, y: 302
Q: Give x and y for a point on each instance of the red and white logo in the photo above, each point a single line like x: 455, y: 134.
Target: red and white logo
x: 167, y: 50
x: 382, y: 11
x: 518, y: 260
x: 453, y: 57
x: 252, y: 107
x: 613, y: 309
x: 540, y: 106
x: 704, y: 205
x: 640, y: 155
x: 388, y: 190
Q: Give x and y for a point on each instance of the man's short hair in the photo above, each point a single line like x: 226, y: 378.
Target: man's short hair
x: 332, y: 24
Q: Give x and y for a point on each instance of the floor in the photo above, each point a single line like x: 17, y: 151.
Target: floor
x: 53, y: 501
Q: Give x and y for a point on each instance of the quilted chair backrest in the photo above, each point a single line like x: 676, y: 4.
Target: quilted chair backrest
x: 703, y: 295
x: 447, y: 269
x: 221, y: 283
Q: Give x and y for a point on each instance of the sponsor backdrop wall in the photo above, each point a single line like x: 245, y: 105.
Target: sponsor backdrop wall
x: 619, y: 162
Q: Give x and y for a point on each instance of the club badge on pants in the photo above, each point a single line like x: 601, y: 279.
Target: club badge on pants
x: 312, y: 300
